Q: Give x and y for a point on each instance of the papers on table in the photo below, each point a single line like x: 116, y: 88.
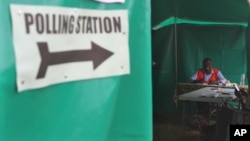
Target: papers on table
x: 218, y: 92
x: 210, y: 95
x: 228, y: 91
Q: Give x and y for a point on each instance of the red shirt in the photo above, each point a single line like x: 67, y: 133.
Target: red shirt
x: 201, y: 75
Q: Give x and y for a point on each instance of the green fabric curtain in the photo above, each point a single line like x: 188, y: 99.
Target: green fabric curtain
x: 248, y: 58
x: 224, y: 44
x: 213, y: 10
x: 174, y: 20
x: 163, y: 74
x: 107, y: 109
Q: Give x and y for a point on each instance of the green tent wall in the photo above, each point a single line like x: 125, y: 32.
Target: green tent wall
x: 184, y: 32
x: 106, y: 109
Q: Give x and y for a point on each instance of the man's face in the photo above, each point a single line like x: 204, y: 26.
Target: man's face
x: 207, y: 66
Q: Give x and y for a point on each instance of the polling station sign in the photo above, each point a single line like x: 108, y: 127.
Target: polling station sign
x: 58, y: 44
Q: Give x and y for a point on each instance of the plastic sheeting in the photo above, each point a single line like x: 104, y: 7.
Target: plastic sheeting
x: 108, y: 109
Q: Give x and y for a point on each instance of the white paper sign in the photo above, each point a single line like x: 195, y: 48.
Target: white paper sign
x: 55, y: 44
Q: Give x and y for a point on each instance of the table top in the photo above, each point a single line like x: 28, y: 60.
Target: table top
x: 209, y: 94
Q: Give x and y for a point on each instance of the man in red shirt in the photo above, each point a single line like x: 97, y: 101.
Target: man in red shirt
x: 207, y: 75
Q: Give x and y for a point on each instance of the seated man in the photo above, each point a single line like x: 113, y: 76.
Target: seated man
x: 207, y: 75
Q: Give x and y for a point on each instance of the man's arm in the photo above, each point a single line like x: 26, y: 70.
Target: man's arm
x: 193, y: 78
x: 221, y: 78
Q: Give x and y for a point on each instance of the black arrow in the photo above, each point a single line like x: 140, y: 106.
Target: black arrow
x: 96, y: 54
